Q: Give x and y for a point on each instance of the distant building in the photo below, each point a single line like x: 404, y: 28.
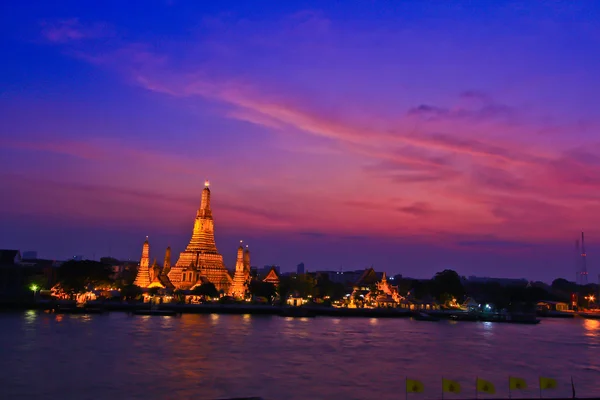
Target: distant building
x: 77, y: 258
x: 300, y: 269
x: 30, y: 255
x: 552, y: 306
x: 344, y: 277
x: 18, y: 274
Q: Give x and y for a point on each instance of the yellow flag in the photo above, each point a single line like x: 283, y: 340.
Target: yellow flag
x: 450, y: 386
x: 547, y: 383
x: 485, y: 386
x: 414, y: 386
x: 517, y: 383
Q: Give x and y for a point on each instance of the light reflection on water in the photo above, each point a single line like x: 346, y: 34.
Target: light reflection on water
x: 218, y: 356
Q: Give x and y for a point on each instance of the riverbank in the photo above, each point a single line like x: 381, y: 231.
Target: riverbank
x: 307, y: 311
x: 254, y: 309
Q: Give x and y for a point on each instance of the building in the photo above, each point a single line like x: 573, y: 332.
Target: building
x: 142, y: 279
x: 547, y: 305
x: 344, y: 277
x: 264, y: 271
x: 272, y: 276
x: 201, y: 261
x: 18, y: 275
x: 300, y: 269
x: 241, y: 277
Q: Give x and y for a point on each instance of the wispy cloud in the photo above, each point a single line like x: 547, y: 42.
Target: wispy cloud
x: 73, y: 30
x: 418, y: 209
x: 470, y: 163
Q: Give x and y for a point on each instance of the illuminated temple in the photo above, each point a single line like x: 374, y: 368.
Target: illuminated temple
x: 241, y: 278
x: 199, y: 263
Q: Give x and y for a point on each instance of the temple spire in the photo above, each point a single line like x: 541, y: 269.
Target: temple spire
x: 205, y: 202
x: 142, y: 278
x: 201, y: 257
x: 239, y: 264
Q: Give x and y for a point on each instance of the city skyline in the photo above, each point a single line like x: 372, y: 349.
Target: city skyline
x: 368, y: 135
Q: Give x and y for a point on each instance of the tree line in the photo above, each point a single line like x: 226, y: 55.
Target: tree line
x: 445, y: 286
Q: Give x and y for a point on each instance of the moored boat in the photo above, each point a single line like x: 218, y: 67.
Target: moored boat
x: 420, y: 316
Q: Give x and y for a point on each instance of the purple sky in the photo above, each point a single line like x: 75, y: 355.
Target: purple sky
x: 412, y: 136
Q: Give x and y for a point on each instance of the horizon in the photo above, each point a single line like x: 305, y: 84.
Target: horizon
x: 409, y: 138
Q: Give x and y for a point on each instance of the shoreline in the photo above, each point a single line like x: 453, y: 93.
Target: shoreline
x: 285, y: 311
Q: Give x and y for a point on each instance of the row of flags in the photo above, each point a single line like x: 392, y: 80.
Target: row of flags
x: 483, y: 386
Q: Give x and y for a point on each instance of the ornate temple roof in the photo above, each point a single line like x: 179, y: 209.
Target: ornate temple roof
x: 369, y: 277
x: 272, y: 276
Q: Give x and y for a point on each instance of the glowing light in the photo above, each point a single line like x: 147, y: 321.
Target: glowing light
x: 206, y: 183
x: 34, y: 287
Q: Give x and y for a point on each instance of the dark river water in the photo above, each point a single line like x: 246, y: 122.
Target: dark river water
x: 116, y: 356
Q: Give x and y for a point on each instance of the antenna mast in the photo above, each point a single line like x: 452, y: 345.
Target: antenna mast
x: 583, y: 274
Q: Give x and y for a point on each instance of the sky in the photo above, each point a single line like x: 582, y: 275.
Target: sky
x: 411, y: 136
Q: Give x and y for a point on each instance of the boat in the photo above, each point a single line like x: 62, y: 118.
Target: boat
x: 464, y: 317
x: 419, y: 316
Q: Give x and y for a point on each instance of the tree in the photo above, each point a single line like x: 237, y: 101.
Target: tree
x: 130, y: 292
x: 77, y: 276
x: 326, y: 287
x: 447, y: 281
x: 304, y: 285
x: 259, y: 288
x: 207, y: 290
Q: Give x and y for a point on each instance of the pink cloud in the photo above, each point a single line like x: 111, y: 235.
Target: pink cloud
x: 470, y: 166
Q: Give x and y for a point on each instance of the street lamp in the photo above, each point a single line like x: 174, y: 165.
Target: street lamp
x: 33, y: 288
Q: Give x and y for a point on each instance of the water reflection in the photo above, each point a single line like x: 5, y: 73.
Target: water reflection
x: 592, y: 330
x: 212, y: 356
x: 30, y: 316
x: 488, y: 329
x: 591, y: 326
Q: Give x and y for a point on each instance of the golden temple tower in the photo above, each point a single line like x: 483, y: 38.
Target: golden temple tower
x: 142, y: 278
x: 240, y: 279
x: 201, y: 260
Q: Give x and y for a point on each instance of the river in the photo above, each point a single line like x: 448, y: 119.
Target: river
x: 117, y: 356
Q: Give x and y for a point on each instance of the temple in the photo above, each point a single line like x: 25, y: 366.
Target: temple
x: 272, y: 277
x: 241, y: 278
x: 142, y: 278
x: 201, y: 262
